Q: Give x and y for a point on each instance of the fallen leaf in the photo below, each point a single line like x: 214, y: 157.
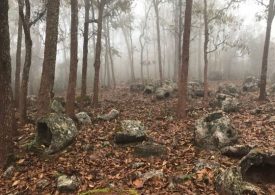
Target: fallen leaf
x: 138, y: 183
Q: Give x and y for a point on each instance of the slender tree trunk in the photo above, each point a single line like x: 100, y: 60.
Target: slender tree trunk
x: 205, y: 50
x: 48, y: 71
x: 265, y: 52
x: 6, y: 99
x: 73, y: 63
x: 199, y: 53
x: 129, y: 49
x: 18, y: 56
x: 156, y: 6
x: 107, y: 65
x: 180, y: 36
x: 132, y: 55
x: 27, y: 64
x: 98, y: 52
x: 85, y: 50
x: 183, y: 79
x: 176, y: 39
x: 111, y: 55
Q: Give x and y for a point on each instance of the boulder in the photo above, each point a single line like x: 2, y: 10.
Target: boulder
x: 137, y: 87
x: 67, y: 183
x: 149, y: 89
x: 272, y: 88
x: 131, y: 131
x: 55, y: 131
x: 164, y: 92
x: 230, y: 182
x: 57, y: 107
x: 228, y: 89
x: 148, y: 149
x: 83, y: 118
x: 225, y: 102
x: 215, y: 131
x: 258, y: 167
x: 251, y: 84
x: 9, y: 172
x: 230, y: 104
x: 236, y: 151
x: 196, y: 89
x: 109, y: 116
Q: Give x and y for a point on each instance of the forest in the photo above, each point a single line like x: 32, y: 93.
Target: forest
x: 137, y: 97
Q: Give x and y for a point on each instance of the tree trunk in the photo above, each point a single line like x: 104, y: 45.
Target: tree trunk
x: 176, y: 39
x: 6, y: 99
x: 48, y: 70
x: 183, y: 79
x: 107, y: 65
x: 156, y: 6
x: 111, y: 55
x: 199, y: 53
x: 18, y: 56
x: 85, y: 50
x: 265, y: 52
x: 98, y: 52
x: 27, y: 64
x: 73, y: 63
x: 205, y: 50
x: 180, y: 37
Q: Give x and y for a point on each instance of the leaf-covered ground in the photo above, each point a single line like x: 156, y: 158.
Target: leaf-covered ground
x: 101, y: 164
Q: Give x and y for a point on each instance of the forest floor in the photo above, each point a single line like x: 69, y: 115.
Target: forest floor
x: 108, y: 165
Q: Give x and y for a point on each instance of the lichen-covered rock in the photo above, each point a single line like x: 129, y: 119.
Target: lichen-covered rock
x: 67, y: 183
x: 109, y: 116
x: 55, y: 131
x: 215, y: 131
x: 272, y: 88
x: 131, y: 131
x: 83, y: 118
x: 150, y: 149
x: 225, y: 102
x: 251, y: 84
x: 137, y: 87
x: 230, y: 104
x: 230, y: 182
x: 164, y: 92
x: 258, y: 166
x: 228, y: 89
x: 57, y: 107
x: 9, y: 172
x: 149, y: 89
x: 195, y: 89
x: 236, y: 151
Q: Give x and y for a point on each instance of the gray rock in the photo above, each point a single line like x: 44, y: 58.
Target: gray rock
x: 148, y: 149
x: 109, y: 116
x: 251, y: 84
x: 228, y: 89
x: 231, y: 182
x: 230, y: 104
x: 272, y: 88
x: 138, y: 165
x: 55, y: 131
x: 258, y: 166
x: 236, y: 151
x: 131, y: 131
x: 57, y: 107
x: 42, y: 184
x: 83, y: 118
x: 67, y: 183
x: 215, y: 131
x: 9, y: 172
x: 137, y: 87
x: 164, y: 92
x: 149, y: 89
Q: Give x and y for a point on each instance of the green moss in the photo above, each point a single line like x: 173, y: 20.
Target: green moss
x: 103, y: 191
x: 96, y: 191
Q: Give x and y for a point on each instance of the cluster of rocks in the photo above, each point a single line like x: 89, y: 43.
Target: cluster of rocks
x: 256, y: 167
x: 251, y: 84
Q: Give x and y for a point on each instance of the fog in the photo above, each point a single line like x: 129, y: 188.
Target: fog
x: 240, y: 57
